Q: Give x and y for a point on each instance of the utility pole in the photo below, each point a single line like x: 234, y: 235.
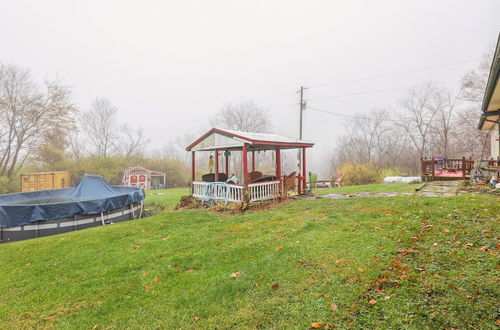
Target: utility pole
x: 302, y: 107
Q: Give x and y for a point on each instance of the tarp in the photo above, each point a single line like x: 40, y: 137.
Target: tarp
x: 92, y: 195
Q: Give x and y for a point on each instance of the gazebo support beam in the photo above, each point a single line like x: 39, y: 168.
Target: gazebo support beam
x: 216, y: 165
x: 304, y: 172
x: 244, y: 155
x: 193, y: 171
x: 253, y: 160
x: 278, y: 165
x: 226, y: 156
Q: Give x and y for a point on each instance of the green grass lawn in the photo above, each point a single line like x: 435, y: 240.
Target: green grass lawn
x: 379, y: 187
x: 390, y: 262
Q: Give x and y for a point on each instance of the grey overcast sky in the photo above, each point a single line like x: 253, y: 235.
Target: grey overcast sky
x: 168, y: 65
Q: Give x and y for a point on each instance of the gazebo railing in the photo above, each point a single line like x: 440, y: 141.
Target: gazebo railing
x: 258, y: 191
x: 218, y: 194
x: 264, y: 191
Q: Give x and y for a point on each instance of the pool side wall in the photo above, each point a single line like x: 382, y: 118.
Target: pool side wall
x: 44, y: 228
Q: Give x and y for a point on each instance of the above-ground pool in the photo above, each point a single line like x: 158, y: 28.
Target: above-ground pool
x: 48, y: 212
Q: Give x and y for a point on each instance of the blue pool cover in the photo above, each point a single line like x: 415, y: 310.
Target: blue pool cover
x: 91, y: 196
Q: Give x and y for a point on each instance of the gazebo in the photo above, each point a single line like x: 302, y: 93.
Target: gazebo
x: 262, y: 188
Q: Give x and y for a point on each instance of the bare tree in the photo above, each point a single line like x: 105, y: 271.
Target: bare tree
x: 445, y: 102
x: 469, y: 139
x: 27, y: 112
x: 132, y: 141
x: 418, y: 116
x: 244, y: 116
x: 99, y: 125
x: 76, y: 144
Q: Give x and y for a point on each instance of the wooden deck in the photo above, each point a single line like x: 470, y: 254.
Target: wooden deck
x: 449, y: 169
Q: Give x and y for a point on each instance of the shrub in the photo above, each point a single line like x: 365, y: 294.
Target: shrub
x: 356, y: 174
x: 8, y: 186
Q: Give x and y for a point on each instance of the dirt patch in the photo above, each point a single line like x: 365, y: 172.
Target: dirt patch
x: 188, y: 202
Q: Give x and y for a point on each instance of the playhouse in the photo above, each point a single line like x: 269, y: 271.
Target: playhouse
x: 137, y: 176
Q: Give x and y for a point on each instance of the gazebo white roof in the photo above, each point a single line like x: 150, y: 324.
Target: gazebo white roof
x: 224, y: 139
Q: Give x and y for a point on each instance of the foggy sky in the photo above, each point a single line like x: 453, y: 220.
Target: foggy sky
x: 169, y: 65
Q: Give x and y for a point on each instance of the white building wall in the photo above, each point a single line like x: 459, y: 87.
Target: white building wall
x: 495, y: 144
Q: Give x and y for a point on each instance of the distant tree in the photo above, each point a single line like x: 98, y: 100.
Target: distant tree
x: 417, y: 117
x: 445, y: 102
x: 243, y: 116
x: 76, y: 145
x: 132, y: 141
x: 30, y: 115
x: 471, y: 140
x: 99, y: 125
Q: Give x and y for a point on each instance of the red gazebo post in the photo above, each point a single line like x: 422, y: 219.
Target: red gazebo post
x: 278, y: 165
x: 226, y: 156
x: 253, y: 160
x: 193, y: 166
x: 216, y: 165
x: 304, y: 172
x: 244, y: 155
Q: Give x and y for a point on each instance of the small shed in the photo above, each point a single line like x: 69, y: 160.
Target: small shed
x: 44, y: 181
x: 253, y: 184
x: 138, y: 176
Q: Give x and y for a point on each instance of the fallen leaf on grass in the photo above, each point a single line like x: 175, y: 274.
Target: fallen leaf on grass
x: 387, y: 297
x: 334, y: 307
x: 489, y: 230
x: 236, y: 274
x: 163, y: 238
x: 196, y: 318
x: 145, y: 274
x: 432, y: 314
x: 279, y: 248
x: 361, y: 270
x: 436, y: 275
x: 275, y: 285
x: 147, y: 287
x: 382, y: 280
x: 301, y: 261
x: 54, y: 264
x: 316, y: 325
x: 434, y: 244
x: 157, y: 279
x: 469, y: 245
x: 372, y: 302
x: 136, y: 247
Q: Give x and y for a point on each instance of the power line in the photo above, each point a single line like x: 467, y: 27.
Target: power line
x: 351, y: 116
x: 275, y: 98
x: 393, y: 73
x: 382, y: 90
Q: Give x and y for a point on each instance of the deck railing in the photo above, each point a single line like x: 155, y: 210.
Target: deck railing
x: 257, y: 191
x: 433, y: 168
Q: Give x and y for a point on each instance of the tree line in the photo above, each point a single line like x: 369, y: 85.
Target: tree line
x: 41, y: 129
x: 428, y: 120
